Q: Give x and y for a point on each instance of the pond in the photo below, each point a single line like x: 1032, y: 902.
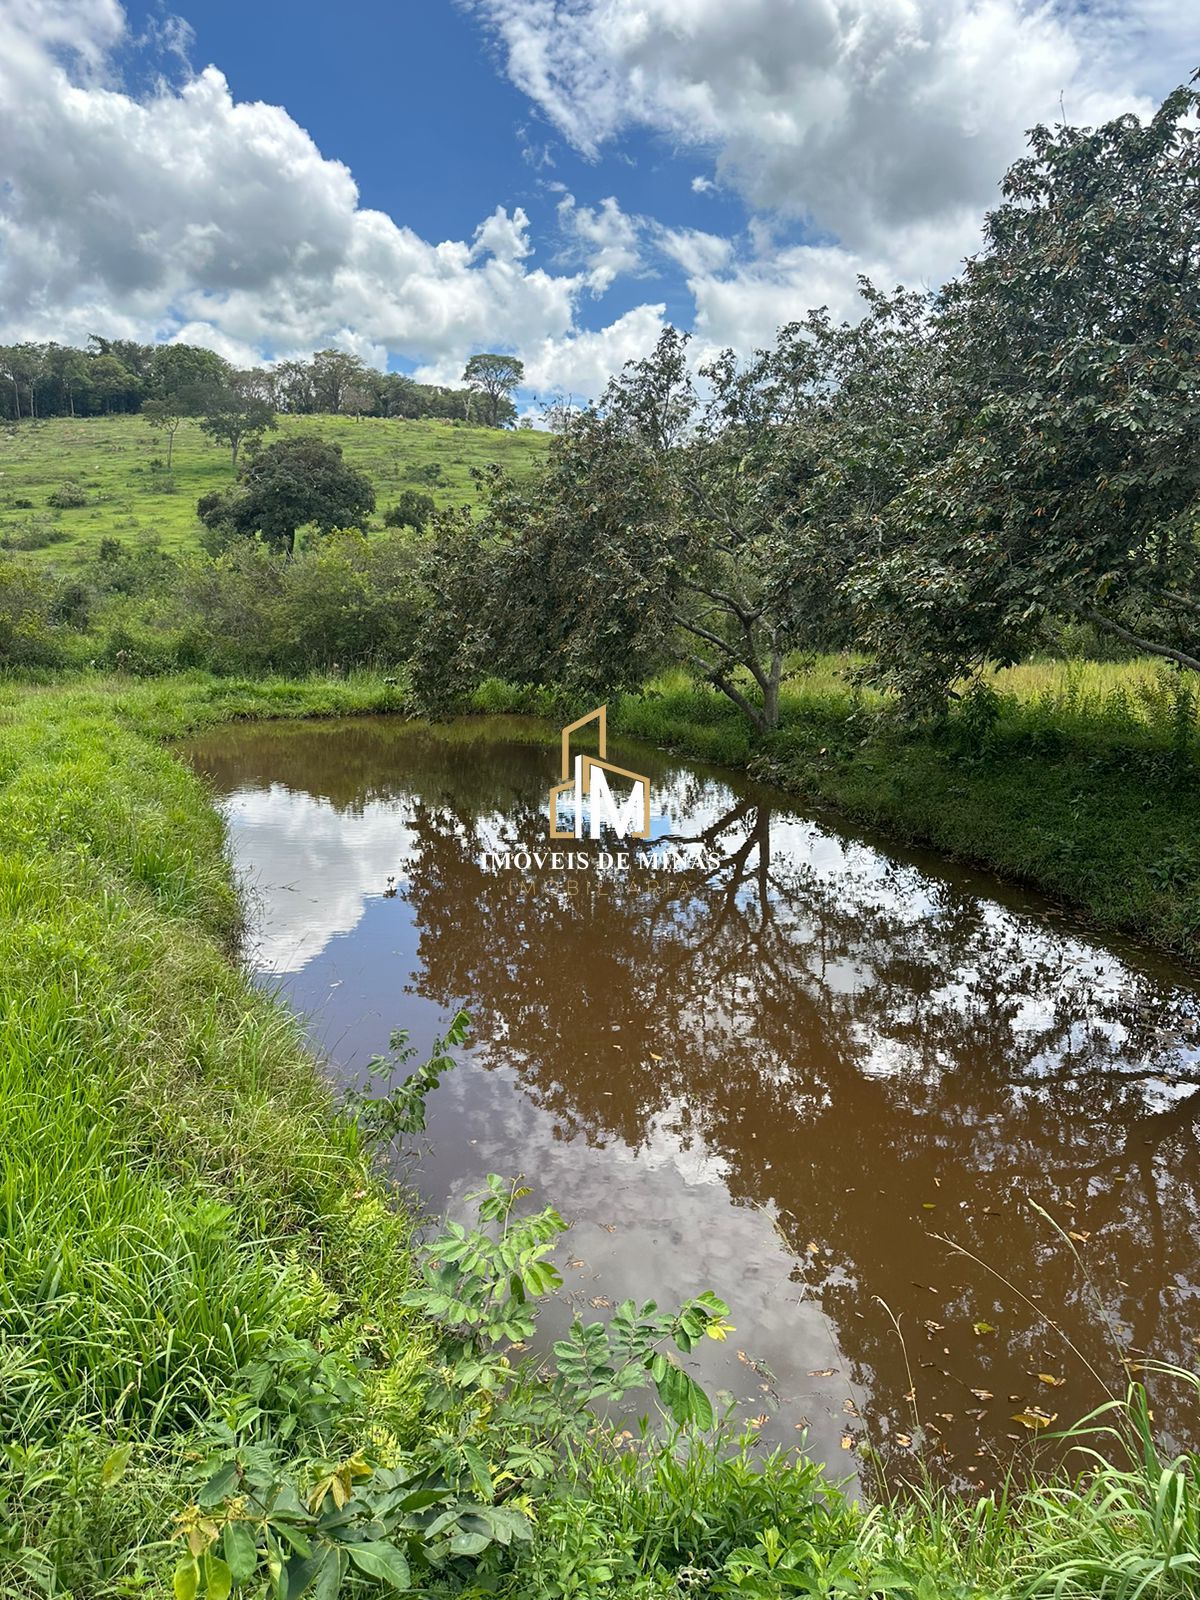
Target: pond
x: 826, y: 1077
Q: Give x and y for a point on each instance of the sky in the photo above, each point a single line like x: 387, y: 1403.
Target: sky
x: 416, y: 180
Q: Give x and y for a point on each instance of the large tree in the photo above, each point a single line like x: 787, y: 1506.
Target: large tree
x: 494, y: 377
x: 1068, y: 485
x: 290, y: 484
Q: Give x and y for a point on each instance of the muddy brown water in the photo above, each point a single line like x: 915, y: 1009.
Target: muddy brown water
x: 788, y: 1071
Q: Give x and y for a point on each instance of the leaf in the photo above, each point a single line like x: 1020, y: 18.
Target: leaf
x: 382, y: 1561
x: 220, y: 1485
x: 186, y: 1580
x: 1079, y: 1238
x: 469, y: 1544
x: 1050, y: 1381
x: 218, y: 1580
x: 982, y: 1328
x: 114, y: 1465
x: 240, y: 1551
x: 1033, y: 1420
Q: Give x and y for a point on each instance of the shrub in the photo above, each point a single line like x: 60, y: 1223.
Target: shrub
x: 412, y: 510
x: 67, y: 497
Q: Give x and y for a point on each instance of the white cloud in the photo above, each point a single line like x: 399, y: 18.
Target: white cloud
x: 187, y: 213
x: 502, y: 236
x: 697, y: 252
x: 602, y: 237
x: 702, y: 185
x: 886, y: 124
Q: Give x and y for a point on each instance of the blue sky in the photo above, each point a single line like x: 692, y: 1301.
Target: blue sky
x: 418, y: 179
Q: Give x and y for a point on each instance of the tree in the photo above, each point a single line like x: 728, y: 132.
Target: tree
x: 181, y: 373
x: 288, y: 485
x: 233, y: 414
x: 494, y: 377
x: 162, y: 414
x: 1068, y: 485
x: 334, y: 375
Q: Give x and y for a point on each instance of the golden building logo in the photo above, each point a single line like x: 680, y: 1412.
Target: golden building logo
x: 587, y: 776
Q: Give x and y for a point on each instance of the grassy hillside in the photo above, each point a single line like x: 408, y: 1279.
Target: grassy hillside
x: 112, y: 460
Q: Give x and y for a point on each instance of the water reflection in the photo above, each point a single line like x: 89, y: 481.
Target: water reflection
x: 782, y: 1074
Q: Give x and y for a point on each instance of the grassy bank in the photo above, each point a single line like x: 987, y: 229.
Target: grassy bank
x: 116, y: 462
x: 1078, y: 780
x: 195, y: 1256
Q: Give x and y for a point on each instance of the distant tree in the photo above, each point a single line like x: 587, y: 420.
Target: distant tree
x: 164, y: 415
x: 288, y: 485
x: 335, y: 373
x: 233, y: 414
x: 180, y: 373
x: 113, y: 382
x: 494, y: 377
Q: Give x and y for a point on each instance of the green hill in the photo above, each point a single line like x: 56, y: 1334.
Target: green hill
x: 116, y: 463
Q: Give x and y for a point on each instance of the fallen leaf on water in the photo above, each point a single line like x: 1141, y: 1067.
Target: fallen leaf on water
x: 982, y: 1328
x: 983, y: 1394
x: 761, y: 1420
x: 850, y: 1408
x: 600, y: 1300
x: 1033, y: 1420
x: 928, y: 1205
x: 653, y: 1057
x: 1050, y: 1380
x: 822, y: 1372
x: 847, y: 1441
x: 1080, y: 1238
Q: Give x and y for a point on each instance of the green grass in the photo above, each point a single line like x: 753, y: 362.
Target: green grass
x: 176, y: 1195
x: 110, y: 458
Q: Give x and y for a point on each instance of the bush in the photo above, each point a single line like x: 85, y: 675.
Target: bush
x: 67, y: 497
x: 34, y: 533
x: 412, y: 510
x: 29, y: 634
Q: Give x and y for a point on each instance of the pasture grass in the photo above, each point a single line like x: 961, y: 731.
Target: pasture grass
x: 110, y: 461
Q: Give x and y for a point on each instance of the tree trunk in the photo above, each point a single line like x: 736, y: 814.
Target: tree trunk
x: 771, y: 693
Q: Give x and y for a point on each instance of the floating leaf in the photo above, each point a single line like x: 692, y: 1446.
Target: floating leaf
x: 1034, y: 1419
x: 982, y: 1328
x: 1050, y: 1380
x: 1080, y: 1238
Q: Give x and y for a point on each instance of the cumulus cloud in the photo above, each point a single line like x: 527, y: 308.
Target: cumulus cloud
x: 883, y: 124
x: 602, y: 237
x: 185, y: 213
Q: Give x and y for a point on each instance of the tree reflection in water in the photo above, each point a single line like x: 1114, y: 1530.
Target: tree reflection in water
x: 877, y: 1050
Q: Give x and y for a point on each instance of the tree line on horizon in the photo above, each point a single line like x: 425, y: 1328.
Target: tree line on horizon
x: 123, y: 377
